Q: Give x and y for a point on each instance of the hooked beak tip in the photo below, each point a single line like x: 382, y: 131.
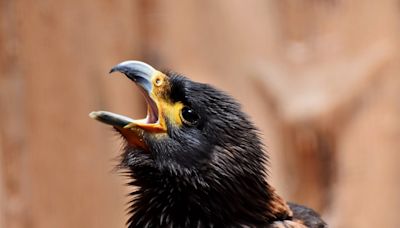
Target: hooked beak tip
x: 112, y: 70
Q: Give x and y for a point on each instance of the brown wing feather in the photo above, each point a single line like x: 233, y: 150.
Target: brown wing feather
x: 306, y: 216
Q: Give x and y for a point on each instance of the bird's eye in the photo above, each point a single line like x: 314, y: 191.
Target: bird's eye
x: 189, y: 116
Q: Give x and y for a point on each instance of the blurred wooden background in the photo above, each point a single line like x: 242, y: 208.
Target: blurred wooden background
x: 319, y: 77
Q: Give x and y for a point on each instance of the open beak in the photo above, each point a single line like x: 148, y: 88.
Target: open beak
x: 151, y: 82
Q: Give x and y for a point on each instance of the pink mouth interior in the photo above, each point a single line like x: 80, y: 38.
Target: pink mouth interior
x: 152, y: 110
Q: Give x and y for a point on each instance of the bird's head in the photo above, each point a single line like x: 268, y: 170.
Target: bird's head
x: 196, y: 147
x: 189, y: 126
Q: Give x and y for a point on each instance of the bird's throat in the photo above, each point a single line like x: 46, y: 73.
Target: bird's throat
x: 163, y: 201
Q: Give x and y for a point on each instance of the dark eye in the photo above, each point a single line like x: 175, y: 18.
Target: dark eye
x: 189, y: 116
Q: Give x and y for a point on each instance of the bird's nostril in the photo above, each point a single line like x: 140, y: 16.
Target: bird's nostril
x: 158, y: 82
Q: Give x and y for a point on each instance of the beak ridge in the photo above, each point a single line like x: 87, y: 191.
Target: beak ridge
x: 139, y: 72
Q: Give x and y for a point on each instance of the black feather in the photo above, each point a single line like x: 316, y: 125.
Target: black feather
x: 212, y: 174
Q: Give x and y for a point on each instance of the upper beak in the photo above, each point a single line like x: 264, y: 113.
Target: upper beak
x: 146, y: 78
x: 139, y: 72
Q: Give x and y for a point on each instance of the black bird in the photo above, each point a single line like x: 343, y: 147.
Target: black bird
x: 196, y: 160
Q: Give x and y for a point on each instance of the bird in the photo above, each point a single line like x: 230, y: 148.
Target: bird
x: 196, y: 159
